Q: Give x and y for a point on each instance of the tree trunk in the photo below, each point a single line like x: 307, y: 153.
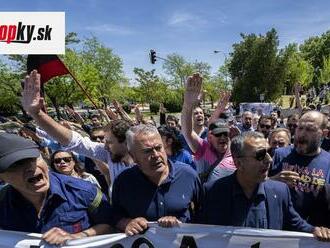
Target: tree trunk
x: 56, y: 106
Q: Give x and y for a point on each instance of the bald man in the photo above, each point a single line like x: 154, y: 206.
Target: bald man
x: 304, y: 167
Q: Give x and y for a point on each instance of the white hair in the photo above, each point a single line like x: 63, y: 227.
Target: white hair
x: 138, y: 130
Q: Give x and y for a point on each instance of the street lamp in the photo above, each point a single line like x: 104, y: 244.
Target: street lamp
x: 225, y: 54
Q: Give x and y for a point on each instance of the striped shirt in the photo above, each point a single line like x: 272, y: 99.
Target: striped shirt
x: 206, y: 156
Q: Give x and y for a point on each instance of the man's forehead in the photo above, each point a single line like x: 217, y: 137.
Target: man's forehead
x: 198, y: 110
x: 309, y: 122
x: 148, y: 139
x: 252, y: 143
x: 265, y: 120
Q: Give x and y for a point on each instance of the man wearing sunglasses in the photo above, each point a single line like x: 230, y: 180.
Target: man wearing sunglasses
x: 304, y: 167
x: 211, y: 152
x: 265, y: 125
x: 249, y: 198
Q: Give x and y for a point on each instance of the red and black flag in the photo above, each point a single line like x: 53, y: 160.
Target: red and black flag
x: 48, y: 66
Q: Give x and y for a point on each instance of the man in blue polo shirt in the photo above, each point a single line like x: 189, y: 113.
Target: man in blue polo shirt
x: 249, y: 199
x: 36, y: 200
x: 154, y: 190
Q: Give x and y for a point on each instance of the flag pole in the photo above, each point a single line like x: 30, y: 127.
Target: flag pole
x: 80, y: 86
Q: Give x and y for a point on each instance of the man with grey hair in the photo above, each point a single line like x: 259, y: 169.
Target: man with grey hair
x: 304, y: 167
x: 154, y: 190
x: 250, y: 199
x: 246, y: 124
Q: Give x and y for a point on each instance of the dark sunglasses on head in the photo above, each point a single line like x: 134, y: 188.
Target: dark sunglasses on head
x: 261, y: 153
x: 293, y: 125
x: 65, y: 159
x: 220, y: 134
x: 265, y: 126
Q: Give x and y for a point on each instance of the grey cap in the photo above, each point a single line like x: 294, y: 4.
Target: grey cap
x: 14, y: 148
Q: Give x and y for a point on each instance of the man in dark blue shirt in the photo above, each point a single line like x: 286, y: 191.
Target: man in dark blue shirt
x: 36, y: 200
x: 154, y: 190
x: 305, y: 168
x: 249, y: 199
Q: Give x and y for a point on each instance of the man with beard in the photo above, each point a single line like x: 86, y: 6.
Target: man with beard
x: 36, y: 200
x: 250, y: 199
x: 114, y: 152
x: 211, y: 152
x: 156, y: 189
x: 305, y: 168
x: 246, y: 124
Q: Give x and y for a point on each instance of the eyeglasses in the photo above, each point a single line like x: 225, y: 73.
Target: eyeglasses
x: 260, y: 154
x: 220, y: 134
x: 265, y: 126
x: 65, y: 159
x: 292, y: 125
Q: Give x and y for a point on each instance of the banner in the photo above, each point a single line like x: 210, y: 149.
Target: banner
x: 256, y: 108
x: 187, y: 235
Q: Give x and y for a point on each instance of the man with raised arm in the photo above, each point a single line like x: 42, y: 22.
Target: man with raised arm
x: 211, y: 152
x: 114, y: 151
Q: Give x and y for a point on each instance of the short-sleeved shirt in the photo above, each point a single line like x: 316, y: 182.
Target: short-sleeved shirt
x: 71, y: 204
x: 314, y: 172
x: 184, y: 143
x: 134, y: 195
x: 206, y: 157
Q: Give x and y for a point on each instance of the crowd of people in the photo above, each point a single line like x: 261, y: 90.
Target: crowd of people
x: 70, y: 179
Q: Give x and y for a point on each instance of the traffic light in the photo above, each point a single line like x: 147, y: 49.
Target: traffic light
x: 152, y: 56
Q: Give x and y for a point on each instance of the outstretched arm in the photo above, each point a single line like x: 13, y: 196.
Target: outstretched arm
x: 224, y: 97
x: 32, y: 103
x: 191, y: 99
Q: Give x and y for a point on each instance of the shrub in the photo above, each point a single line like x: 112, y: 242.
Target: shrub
x: 154, y: 107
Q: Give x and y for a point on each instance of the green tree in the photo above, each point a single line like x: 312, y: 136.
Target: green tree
x: 297, y: 69
x: 151, y: 88
x: 325, y: 71
x: 109, y: 66
x: 10, y: 89
x: 256, y: 67
x: 314, y: 49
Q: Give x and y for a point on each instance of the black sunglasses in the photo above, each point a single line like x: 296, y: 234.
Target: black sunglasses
x: 220, y: 134
x: 261, y: 153
x: 65, y: 159
x: 266, y: 126
x: 96, y: 137
x: 293, y: 125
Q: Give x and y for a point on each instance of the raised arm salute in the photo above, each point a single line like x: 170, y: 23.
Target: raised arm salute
x: 32, y: 103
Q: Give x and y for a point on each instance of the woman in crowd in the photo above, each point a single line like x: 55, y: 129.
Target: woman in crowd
x: 66, y: 163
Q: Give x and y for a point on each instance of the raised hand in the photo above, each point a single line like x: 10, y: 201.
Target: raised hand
x: 31, y: 100
x: 192, y: 94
